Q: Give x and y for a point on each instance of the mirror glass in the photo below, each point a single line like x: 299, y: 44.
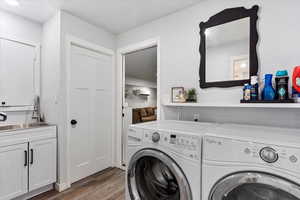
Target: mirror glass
x: 227, y: 51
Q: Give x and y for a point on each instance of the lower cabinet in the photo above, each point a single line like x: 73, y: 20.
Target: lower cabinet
x: 13, y: 171
x: 27, y: 166
x: 42, y: 163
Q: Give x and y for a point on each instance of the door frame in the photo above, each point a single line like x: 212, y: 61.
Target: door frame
x: 72, y: 40
x: 120, y: 92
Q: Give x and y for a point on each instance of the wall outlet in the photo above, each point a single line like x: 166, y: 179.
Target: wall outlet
x: 196, y: 117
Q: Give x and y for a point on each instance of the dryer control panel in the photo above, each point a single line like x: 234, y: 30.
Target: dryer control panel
x: 228, y: 150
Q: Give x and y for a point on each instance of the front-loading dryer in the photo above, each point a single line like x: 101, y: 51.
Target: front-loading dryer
x: 250, y: 162
x: 164, y: 161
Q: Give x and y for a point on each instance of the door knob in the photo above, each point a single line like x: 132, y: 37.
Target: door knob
x: 73, y: 122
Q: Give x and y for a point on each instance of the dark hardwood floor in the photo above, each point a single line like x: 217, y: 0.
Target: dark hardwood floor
x: 106, y: 185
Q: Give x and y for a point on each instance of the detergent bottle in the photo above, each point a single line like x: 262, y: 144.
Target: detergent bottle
x: 268, y: 92
x: 282, y: 85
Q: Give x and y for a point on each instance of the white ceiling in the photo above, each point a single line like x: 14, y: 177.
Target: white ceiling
x: 115, y: 15
x: 37, y: 10
x: 142, y: 64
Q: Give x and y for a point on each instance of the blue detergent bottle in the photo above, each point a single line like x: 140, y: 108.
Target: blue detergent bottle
x: 268, y: 93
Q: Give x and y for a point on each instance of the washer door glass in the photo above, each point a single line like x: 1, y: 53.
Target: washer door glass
x: 152, y: 175
x: 253, y: 185
x: 258, y: 192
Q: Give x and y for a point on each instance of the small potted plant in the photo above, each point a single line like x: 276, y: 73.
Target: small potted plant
x: 192, y: 95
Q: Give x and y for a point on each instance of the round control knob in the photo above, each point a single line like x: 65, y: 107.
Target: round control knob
x: 247, y: 151
x: 268, y: 155
x: 155, y: 137
x: 293, y: 159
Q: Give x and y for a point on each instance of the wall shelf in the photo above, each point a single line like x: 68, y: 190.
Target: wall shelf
x: 238, y: 105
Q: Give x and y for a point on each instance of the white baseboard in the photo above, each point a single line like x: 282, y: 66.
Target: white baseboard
x: 119, y: 165
x: 60, y: 187
x: 122, y: 167
x: 35, y: 192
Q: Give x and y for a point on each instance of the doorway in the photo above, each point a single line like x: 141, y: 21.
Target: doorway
x: 90, y: 109
x: 139, y: 88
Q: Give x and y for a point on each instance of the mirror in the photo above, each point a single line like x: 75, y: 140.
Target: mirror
x: 19, y: 78
x: 228, y: 48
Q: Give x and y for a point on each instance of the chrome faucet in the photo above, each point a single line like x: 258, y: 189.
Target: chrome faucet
x: 36, y: 114
x: 4, y: 116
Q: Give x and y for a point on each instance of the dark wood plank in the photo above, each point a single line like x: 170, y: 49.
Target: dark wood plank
x: 106, y: 185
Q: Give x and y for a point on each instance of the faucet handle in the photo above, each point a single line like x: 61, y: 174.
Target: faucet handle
x: 4, y: 116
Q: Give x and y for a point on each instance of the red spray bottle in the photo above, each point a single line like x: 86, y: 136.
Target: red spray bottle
x: 296, y: 84
x: 296, y: 79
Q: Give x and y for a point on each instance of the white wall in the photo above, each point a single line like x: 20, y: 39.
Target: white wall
x: 21, y: 29
x: 142, y: 64
x: 60, y: 26
x: 16, y: 27
x: 137, y: 101
x: 139, y: 82
x: 179, y: 40
x: 218, y: 60
x: 51, y: 68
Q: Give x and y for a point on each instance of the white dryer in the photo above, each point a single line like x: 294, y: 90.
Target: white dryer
x: 251, y: 162
x: 165, y: 161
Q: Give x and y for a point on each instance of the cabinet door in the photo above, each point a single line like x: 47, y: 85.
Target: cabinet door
x: 13, y: 171
x: 42, y: 163
x: 18, y: 73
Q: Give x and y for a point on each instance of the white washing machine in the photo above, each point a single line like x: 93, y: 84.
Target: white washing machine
x: 251, y: 162
x: 165, y: 160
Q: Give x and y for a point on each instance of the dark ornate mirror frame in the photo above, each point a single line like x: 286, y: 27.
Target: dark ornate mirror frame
x: 226, y: 16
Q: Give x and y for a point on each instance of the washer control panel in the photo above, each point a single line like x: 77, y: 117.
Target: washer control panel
x: 187, y: 145
x: 183, y: 141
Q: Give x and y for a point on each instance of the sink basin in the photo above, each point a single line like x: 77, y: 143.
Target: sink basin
x: 9, y: 127
x: 35, y: 125
x: 21, y: 126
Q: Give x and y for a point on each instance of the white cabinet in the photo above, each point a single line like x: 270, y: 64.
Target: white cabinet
x: 18, y: 73
x: 42, y: 163
x: 27, y: 161
x: 13, y: 171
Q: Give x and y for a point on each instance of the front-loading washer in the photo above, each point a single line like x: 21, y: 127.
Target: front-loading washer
x: 249, y: 162
x: 165, y: 160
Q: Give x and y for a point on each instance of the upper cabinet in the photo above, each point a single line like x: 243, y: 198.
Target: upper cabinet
x: 19, y: 73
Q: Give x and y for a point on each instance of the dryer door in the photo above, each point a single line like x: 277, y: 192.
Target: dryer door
x: 255, y: 185
x: 153, y: 175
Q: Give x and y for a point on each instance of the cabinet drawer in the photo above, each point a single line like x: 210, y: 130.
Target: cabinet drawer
x: 27, y: 135
x: 42, y: 133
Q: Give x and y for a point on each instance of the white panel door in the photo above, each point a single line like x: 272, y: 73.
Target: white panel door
x: 17, y: 65
x: 42, y: 163
x: 13, y: 171
x: 90, y: 103
x: 2, y: 98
